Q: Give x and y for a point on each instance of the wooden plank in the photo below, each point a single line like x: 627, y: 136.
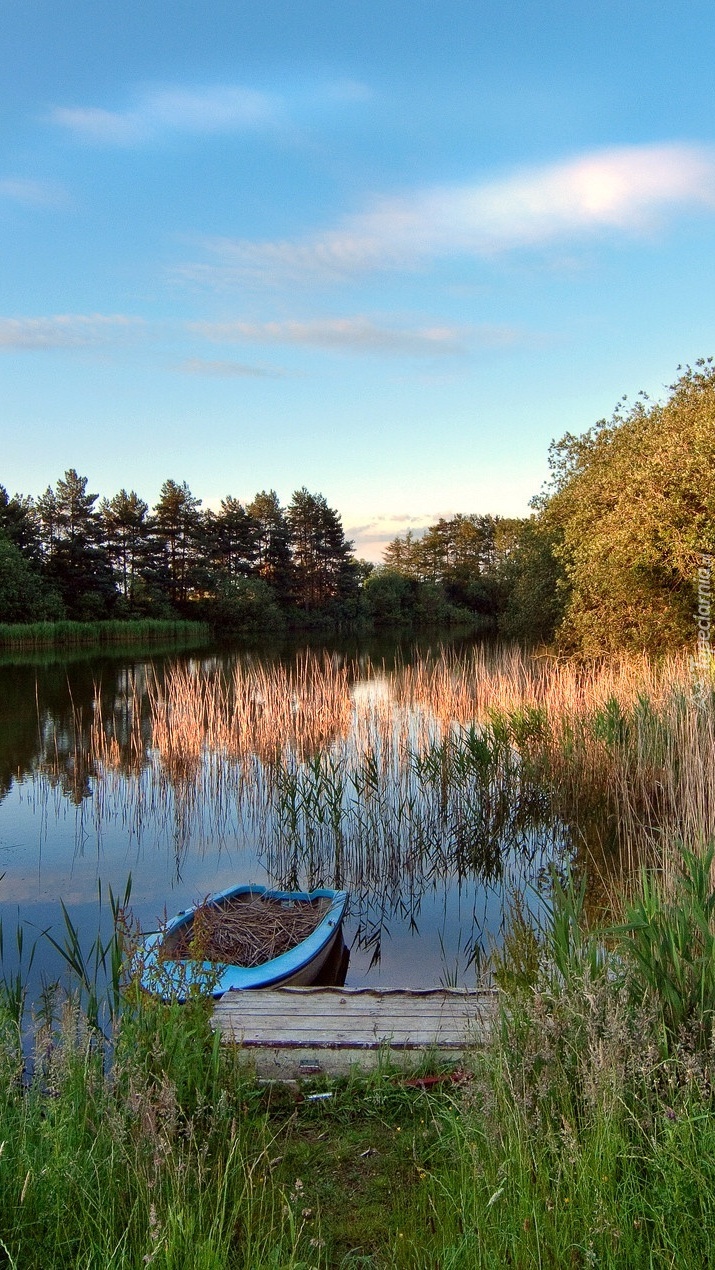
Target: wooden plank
x: 283, y: 1029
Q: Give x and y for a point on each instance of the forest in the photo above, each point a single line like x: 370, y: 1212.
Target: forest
x: 608, y: 558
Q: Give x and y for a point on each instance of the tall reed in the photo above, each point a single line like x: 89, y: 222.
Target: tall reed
x: 65, y: 633
x: 350, y: 771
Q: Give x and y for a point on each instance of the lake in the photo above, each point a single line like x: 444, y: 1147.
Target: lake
x: 359, y: 766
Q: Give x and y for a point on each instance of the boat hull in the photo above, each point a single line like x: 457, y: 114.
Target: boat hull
x: 301, y: 966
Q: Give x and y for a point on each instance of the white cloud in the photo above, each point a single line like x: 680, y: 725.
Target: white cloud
x: 625, y: 189
x: 214, y: 109
x: 228, y: 370
x: 32, y: 193
x: 351, y: 334
x: 69, y: 330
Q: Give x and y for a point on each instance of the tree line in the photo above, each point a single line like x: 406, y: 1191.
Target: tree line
x: 612, y: 554
x: 66, y: 554
x: 608, y: 559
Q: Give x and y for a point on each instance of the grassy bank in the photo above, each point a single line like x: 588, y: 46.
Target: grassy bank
x: 584, y: 1135
x: 148, y: 632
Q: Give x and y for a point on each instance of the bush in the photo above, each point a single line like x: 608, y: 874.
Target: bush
x: 23, y: 596
x: 244, y: 605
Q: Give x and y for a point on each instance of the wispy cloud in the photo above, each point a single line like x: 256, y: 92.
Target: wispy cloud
x: 372, y: 537
x: 386, y: 528
x: 344, y: 334
x: 66, y: 330
x: 158, y: 111
x: 628, y: 189
x: 32, y: 193
x: 228, y: 370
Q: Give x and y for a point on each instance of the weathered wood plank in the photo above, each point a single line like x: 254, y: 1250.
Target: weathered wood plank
x: 282, y: 1029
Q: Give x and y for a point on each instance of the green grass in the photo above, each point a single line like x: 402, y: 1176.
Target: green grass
x: 65, y: 634
x: 582, y: 1135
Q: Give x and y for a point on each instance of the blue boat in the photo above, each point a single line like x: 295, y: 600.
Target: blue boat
x: 299, y: 966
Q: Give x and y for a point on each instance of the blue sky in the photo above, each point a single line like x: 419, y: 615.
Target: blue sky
x: 388, y: 250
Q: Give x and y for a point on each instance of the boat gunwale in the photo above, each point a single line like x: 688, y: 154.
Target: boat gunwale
x: 269, y: 973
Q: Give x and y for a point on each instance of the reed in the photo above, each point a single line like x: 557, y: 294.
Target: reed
x: 349, y: 774
x: 573, y: 1138
x: 584, y: 1138
x: 67, y: 634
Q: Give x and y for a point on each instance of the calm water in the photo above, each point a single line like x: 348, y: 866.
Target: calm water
x: 420, y: 907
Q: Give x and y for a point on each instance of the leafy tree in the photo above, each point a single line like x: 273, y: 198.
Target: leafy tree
x: 534, y: 584
x: 633, y: 501
x: 23, y: 598
x: 243, y: 605
x: 19, y: 523
x: 458, y: 556
x: 389, y: 598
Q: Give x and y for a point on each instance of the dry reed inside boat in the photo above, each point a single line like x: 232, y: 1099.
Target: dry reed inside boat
x: 245, y: 932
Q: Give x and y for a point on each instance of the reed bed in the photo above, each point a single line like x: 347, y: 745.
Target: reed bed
x: 451, y: 765
x: 68, y: 634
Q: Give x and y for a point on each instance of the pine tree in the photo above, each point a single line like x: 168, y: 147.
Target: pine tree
x: 273, y: 558
x: 231, y: 540
x: 75, y: 560
x: 322, y: 557
x: 177, y: 530
x: 126, y: 534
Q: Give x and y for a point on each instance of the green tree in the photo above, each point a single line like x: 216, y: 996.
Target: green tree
x: 245, y: 605
x: 177, y: 532
x: 19, y: 523
x: 126, y: 534
x: 75, y: 561
x: 389, y: 598
x: 402, y: 555
x: 633, y: 504
x: 273, y: 558
x: 232, y: 540
x: 323, y: 563
x: 533, y: 583
x: 23, y: 598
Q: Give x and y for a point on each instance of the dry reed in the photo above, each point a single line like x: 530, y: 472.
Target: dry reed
x: 330, y: 756
x: 245, y: 932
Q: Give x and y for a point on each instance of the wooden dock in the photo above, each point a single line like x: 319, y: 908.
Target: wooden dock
x: 292, y: 1032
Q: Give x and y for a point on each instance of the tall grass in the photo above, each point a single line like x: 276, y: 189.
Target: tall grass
x: 387, y: 781
x: 587, y: 1135
x: 626, y: 746
x: 67, y: 634
x: 575, y: 1138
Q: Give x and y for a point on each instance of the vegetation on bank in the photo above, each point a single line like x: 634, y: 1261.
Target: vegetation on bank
x: 584, y: 1134
x: 64, y: 555
x: 65, y: 634
x: 609, y: 559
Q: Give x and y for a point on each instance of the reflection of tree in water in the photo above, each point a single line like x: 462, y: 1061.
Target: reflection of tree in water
x: 341, y: 784
x: 48, y: 722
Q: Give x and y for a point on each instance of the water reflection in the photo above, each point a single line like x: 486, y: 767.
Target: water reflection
x: 316, y: 769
